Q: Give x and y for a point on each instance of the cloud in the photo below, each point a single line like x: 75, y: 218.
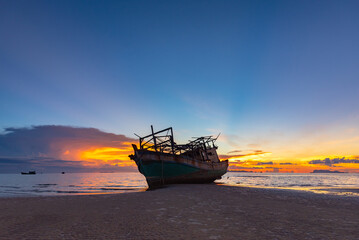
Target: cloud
x: 40, y: 139
x: 253, y: 153
x: 51, y: 147
x: 234, y: 151
x: 235, y: 167
x: 265, y: 163
x: 287, y: 163
x: 330, y: 162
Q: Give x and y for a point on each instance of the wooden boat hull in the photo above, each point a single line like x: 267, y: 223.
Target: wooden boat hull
x: 162, y: 168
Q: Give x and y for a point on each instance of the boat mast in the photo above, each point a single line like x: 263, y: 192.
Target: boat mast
x: 154, y: 138
x: 172, y: 142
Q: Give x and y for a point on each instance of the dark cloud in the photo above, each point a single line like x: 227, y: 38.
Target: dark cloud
x: 265, y: 163
x: 41, y: 164
x: 4, y: 161
x: 234, y: 151
x: 330, y: 162
x: 287, y: 163
x: 39, y: 139
x: 236, y: 167
x: 43, y: 147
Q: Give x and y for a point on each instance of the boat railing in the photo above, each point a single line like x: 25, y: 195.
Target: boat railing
x: 163, y: 141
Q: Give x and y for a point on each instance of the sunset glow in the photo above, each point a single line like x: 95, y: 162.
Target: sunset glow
x: 108, y: 155
x: 304, y: 165
x: 255, y: 161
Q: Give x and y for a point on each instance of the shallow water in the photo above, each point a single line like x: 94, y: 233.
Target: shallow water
x: 103, y: 183
x: 326, y: 183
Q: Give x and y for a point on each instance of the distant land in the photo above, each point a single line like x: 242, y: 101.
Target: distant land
x: 326, y: 171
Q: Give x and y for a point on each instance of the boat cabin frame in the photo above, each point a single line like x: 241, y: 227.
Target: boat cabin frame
x: 162, y: 141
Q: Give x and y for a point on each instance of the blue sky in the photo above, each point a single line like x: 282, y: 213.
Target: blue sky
x: 263, y: 73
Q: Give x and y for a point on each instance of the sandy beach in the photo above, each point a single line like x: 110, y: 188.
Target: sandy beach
x: 183, y: 212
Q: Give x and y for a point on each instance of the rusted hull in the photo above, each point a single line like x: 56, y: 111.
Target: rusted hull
x: 161, y: 169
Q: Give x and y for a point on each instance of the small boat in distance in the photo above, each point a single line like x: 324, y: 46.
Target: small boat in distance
x: 29, y: 173
x: 326, y: 171
x: 162, y: 161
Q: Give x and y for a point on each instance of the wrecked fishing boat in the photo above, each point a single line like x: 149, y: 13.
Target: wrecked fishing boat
x: 162, y: 161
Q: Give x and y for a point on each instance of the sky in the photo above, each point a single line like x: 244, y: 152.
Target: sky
x: 278, y: 80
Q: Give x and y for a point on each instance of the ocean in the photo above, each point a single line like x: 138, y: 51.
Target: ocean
x: 50, y: 184
x: 324, y: 183
x: 12, y: 185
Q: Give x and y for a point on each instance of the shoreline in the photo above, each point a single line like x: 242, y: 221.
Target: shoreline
x: 321, y: 191
x: 205, y: 211
x: 74, y: 195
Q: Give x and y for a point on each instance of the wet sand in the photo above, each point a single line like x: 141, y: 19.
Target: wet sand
x: 183, y: 212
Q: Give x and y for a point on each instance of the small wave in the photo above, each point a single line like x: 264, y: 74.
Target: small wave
x: 116, y: 186
x: 353, y: 190
x: 112, y: 189
x: 44, y: 185
x: 70, y: 191
x: 13, y: 187
x: 254, y: 176
x: 120, y: 189
x: 35, y: 191
x: 298, y: 185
